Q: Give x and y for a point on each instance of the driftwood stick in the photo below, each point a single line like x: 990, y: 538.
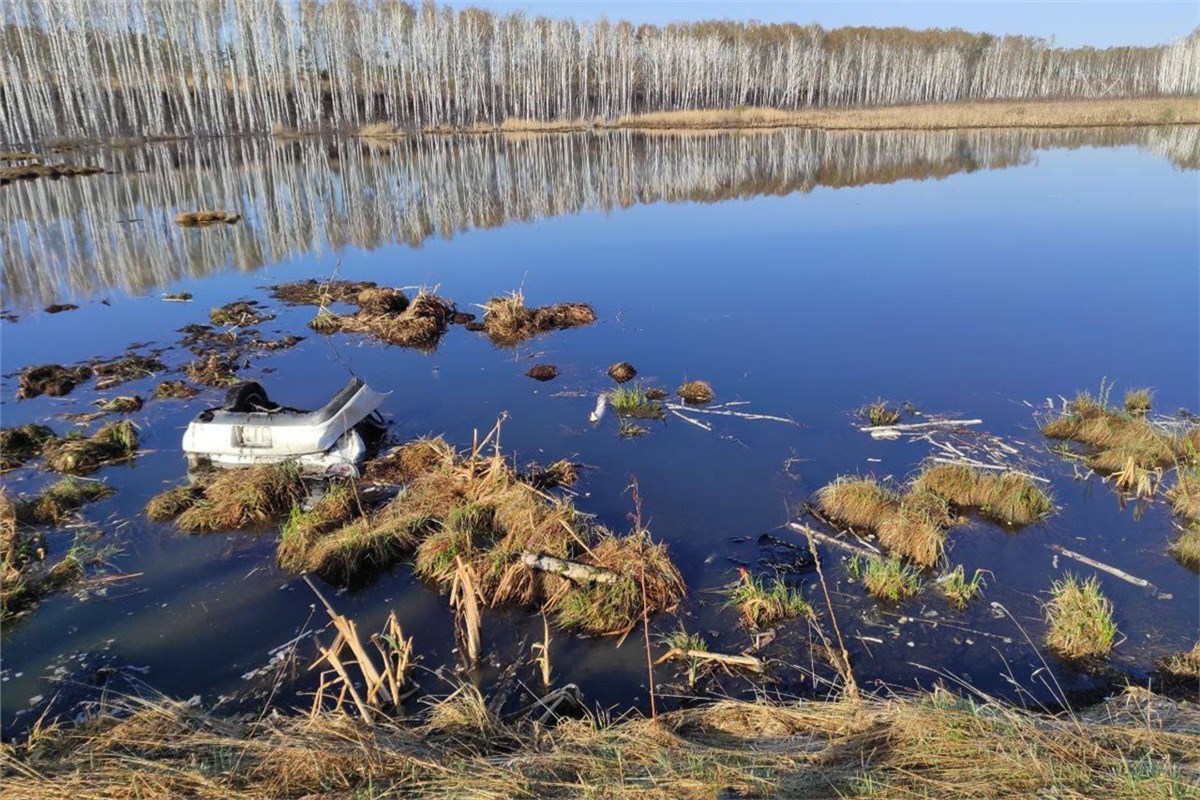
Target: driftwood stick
x: 916, y: 426
x: 695, y: 422
x: 864, y: 549
x: 725, y: 413
x: 1125, y: 576
x: 572, y: 570
x: 745, y: 662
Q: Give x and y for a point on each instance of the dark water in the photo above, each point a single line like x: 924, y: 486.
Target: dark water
x: 971, y: 273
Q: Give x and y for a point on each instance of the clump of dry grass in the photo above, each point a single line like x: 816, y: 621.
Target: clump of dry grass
x: 320, y: 293
x: 1184, y: 494
x: 202, y: 219
x: 420, y: 325
x: 76, y: 454
x: 213, y: 370
x: 762, y: 604
x: 19, y: 444
x: 171, y: 390
x: 858, y: 502
x: 53, y: 380
x: 1185, y: 547
x: 508, y: 322
x: 917, y: 528
x: 1009, y: 497
x: 880, y: 413
x: 381, y: 300
x: 1080, y: 620
x: 240, y: 313
x: 229, y: 500
x: 123, y: 404
x: 129, y: 367
x: 696, y: 393
x: 886, y: 579
x: 404, y: 463
x: 60, y: 500
x: 1122, y: 440
x: 1138, y: 402
x: 1185, y: 664
x: 555, y: 475
x: 542, y: 372
x: 647, y: 581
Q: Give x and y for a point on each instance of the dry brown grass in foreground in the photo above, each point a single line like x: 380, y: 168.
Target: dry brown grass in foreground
x: 1135, y: 747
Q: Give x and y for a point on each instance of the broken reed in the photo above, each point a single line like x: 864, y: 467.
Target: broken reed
x: 1079, y: 620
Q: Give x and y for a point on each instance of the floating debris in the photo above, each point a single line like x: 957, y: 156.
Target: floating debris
x: 171, y: 390
x: 202, y: 219
x: 508, y: 322
x: 880, y: 413
x: 58, y: 308
x: 76, y: 454
x: 1080, y: 620
x: 53, y: 380
x: 696, y: 393
x: 177, y: 297
x: 20, y: 444
x: 542, y: 372
x: 656, y: 393
x: 622, y: 372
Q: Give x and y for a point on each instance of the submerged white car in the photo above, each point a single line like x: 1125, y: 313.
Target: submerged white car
x: 249, y: 429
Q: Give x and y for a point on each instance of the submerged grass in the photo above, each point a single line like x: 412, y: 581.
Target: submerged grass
x: 913, y: 746
x: 60, y: 500
x: 507, y: 321
x: 76, y: 454
x: 1079, y: 620
x: 958, y: 589
x: 632, y: 402
x: 889, y: 580
x: 764, y: 603
x: 53, y: 380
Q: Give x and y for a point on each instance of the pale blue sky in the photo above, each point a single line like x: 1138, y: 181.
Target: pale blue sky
x: 1071, y: 22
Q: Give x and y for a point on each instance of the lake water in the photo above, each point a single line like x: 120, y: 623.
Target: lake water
x: 973, y: 274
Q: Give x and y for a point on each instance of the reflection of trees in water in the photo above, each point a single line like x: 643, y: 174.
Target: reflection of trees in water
x: 87, y: 234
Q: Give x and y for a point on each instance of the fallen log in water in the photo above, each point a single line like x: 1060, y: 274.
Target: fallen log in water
x: 917, y: 426
x: 863, y: 549
x: 743, y: 662
x: 1082, y: 559
x: 571, y: 570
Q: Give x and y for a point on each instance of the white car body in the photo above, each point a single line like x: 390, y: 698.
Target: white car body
x: 322, y: 442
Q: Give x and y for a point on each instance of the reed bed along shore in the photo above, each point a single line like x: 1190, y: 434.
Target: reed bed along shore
x: 1067, y: 113
x: 1135, y: 746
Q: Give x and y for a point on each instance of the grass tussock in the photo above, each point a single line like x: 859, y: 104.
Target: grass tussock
x: 410, y: 460
x: 212, y: 370
x: 763, y: 603
x: 926, y: 745
x: 1122, y: 440
x: 1007, y: 497
x: 419, y: 325
x: 54, y: 504
x: 858, y: 502
x: 507, y: 321
x: 622, y: 372
x: 916, y: 530
x: 960, y: 590
x: 202, y: 219
x: 240, y: 313
x: 1185, y: 547
x: 888, y: 580
x: 76, y: 454
x: 122, y: 404
x: 696, y: 393
x: 632, y: 402
x: 129, y: 367
x: 1185, y: 664
x: 21, y: 443
x: 52, y: 380
x: 1079, y: 620
x: 319, y: 293
x: 561, y: 474
x: 880, y: 413
x: 1184, y: 494
x: 542, y: 372
x: 174, y: 390
x: 227, y: 500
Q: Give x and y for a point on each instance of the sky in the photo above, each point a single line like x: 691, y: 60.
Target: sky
x: 1072, y: 23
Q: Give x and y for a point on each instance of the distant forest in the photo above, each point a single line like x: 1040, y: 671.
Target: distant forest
x: 86, y: 68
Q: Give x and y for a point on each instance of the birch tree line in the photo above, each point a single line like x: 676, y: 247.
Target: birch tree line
x: 85, y: 68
